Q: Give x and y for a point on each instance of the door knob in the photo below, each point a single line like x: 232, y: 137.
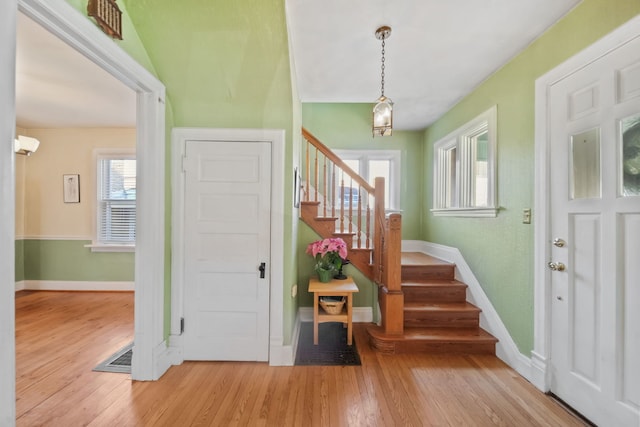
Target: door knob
x: 559, y: 242
x: 556, y: 266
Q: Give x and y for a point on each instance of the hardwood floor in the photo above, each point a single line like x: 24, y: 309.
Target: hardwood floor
x: 61, y: 336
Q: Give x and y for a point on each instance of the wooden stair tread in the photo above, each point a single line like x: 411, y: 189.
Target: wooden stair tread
x: 437, y: 335
x: 343, y: 233
x: 441, y: 306
x: 419, y: 259
x: 432, y: 283
x: 326, y: 218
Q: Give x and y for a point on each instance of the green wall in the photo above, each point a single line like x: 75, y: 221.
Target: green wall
x: 19, y: 260
x: 226, y: 65
x: 500, y: 250
x: 69, y: 260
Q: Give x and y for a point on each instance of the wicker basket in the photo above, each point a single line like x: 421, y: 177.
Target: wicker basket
x: 331, y: 306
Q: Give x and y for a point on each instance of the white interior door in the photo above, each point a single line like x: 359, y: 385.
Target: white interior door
x: 227, y: 239
x: 594, y: 117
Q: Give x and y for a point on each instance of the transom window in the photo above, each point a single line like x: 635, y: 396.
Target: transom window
x: 371, y: 164
x: 464, y: 169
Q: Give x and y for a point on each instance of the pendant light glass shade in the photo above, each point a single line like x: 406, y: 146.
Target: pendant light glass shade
x: 383, y: 117
x: 383, y: 110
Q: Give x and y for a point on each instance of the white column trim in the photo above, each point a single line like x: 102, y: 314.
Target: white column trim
x: 542, y: 288
x: 277, y: 354
x: 7, y: 213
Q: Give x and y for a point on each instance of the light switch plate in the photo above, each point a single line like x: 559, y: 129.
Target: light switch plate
x: 526, y: 216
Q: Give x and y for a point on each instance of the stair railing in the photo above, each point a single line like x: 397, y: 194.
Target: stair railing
x: 342, y: 193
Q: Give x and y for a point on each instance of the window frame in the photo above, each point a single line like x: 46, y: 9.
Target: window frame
x: 393, y: 156
x: 454, y: 186
x: 98, y: 245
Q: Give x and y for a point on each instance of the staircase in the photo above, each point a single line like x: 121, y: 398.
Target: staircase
x: 423, y: 308
x: 437, y: 317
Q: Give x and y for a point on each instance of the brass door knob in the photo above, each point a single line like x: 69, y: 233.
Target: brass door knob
x: 557, y: 266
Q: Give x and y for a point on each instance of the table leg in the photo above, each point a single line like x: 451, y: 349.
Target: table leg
x: 315, y: 318
x: 349, y: 324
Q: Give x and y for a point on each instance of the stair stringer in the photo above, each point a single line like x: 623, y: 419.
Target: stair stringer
x: 506, y: 348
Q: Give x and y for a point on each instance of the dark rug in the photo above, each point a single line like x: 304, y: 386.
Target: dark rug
x: 332, y: 348
x: 119, y: 361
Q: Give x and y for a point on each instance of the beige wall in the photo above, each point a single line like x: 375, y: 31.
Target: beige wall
x: 43, y: 213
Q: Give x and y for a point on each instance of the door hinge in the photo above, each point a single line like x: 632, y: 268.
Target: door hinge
x: 182, y: 325
x: 184, y: 164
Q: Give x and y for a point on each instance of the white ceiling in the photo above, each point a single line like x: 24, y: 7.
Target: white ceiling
x: 438, y: 52
x: 57, y: 87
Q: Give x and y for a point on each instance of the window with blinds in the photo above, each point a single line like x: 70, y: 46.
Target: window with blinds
x: 116, y: 199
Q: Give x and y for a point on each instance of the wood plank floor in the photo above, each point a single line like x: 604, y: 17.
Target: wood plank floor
x: 61, y: 336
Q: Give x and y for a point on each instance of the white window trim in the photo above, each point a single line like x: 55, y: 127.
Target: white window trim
x: 395, y: 158
x: 99, y: 154
x: 459, y: 139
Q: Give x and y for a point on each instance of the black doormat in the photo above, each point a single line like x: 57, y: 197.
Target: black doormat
x: 332, y: 348
x: 119, y: 362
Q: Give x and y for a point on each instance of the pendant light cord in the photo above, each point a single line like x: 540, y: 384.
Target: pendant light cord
x: 382, y: 68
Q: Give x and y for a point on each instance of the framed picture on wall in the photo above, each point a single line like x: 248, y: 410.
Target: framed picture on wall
x: 71, y: 188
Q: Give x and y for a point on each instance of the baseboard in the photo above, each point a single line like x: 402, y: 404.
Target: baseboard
x: 73, y: 285
x: 284, y: 355
x: 162, y: 360
x: 20, y: 286
x: 360, y: 314
x: 279, y: 354
x: 175, y: 349
x: 506, y: 349
x: 539, y: 372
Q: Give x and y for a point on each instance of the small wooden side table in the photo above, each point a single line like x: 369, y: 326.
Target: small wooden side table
x: 337, y: 288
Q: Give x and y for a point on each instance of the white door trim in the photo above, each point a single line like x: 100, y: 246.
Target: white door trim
x: 73, y: 28
x: 542, y: 280
x: 277, y: 139
x: 7, y: 213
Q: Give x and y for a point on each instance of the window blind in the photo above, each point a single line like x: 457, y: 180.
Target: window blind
x: 117, y: 201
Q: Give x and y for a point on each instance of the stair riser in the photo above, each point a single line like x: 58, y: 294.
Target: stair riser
x: 441, y: 322
x: 440, y: 294
x: 424, y: 273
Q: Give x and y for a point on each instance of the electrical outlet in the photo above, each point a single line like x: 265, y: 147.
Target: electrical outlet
x: 294, y: 291
x: 526, y: 216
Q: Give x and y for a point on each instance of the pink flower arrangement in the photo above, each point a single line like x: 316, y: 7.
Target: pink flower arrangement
x: 328, y: 253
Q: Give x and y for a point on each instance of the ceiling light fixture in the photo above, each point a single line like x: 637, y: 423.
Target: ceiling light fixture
x: 26, y: 145
x: 383, y: 110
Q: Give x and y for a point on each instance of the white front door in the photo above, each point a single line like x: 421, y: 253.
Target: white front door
x: 227, y: 250
x: 594, y: 160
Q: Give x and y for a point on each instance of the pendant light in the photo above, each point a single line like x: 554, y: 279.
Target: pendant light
x: 383, y: 110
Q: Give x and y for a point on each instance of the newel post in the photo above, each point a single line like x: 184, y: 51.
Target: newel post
x: 390, y: 293
x: 378, y: 230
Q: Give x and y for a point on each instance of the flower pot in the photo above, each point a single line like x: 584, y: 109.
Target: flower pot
x: 324, y: 275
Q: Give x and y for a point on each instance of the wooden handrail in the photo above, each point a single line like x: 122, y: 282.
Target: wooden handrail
x: 326, y: 151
